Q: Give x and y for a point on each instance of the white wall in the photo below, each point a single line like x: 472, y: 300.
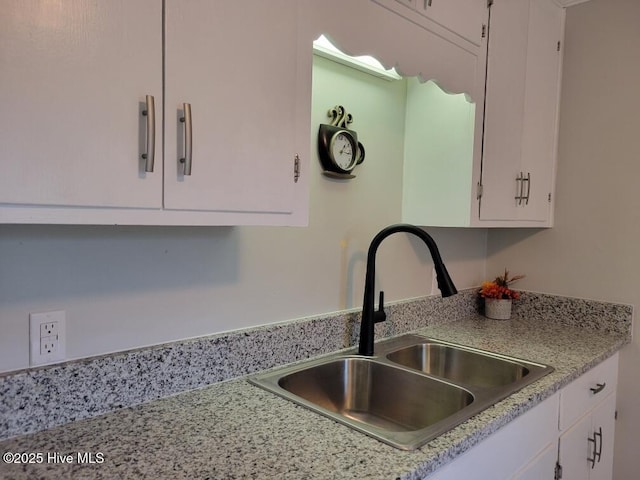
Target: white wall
x: 124, y: 287
x: 593, y: 251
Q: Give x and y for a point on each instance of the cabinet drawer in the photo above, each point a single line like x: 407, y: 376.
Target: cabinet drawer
x: 587, y: 391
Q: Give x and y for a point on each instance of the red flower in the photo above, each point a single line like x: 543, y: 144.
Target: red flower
x: 499, y: 288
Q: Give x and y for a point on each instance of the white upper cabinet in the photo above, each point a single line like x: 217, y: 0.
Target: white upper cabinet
x: 231, y: 83
x: 75, y: 80
x: 464, y: 18
x: 521, y: 112
x: 73, y: 83
x: 239, y: 74
x: 502, y: 174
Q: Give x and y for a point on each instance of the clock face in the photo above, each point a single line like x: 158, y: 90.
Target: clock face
x: 343, y: 151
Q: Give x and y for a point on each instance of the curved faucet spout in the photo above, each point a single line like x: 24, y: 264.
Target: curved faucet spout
x: 371, y: 317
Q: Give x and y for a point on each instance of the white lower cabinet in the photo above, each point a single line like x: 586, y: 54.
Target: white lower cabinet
x: 512, y: 448
x: 587, y: 424
x: 541, y: 467
x: 569, y: 436
x: 586, y: 449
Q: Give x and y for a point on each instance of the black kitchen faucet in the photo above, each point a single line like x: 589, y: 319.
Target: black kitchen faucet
x: 369, y: 316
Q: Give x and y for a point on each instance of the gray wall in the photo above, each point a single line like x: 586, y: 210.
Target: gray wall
x: 593, y: 251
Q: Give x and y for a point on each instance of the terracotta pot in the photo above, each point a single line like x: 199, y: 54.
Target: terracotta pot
x: 497, y: 308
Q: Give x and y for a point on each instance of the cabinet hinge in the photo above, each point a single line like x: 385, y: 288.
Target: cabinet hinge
x: 549, y: 198
x: 484, y: 30
x: 489, y: 3
x: 480, y: 191
x: 558, y: 46
x: 296, y: 168
x: 558, y: 471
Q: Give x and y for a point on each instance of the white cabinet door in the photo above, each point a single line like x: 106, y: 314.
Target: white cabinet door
x: 586, y: 449
x: 603, y: 423
x: 575, y: 449
x: 522, y: 93
x: 462, y: 17
x: 540, y: 125
x: 506, y: 452
x: 542, y: 467
x: 238, y: 71
x: 73, y: 81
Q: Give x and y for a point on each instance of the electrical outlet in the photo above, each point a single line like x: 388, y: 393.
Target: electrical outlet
x: 47, y: 333
x: 48, y: 329
x: 48, y: 345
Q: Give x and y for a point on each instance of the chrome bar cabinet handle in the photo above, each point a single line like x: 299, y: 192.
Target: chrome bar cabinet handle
x: 594, y: 451
x: 188, y: 139
x: 150, y: 112
x: 528, y: 180
x: 598, y: 454
x: 519, y: 196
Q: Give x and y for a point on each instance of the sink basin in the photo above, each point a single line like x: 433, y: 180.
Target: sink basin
x: 412, y: 390
x: 461, y: 365
x: 377, y: 394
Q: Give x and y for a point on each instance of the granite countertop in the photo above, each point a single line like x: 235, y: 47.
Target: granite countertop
x: 233, y: 430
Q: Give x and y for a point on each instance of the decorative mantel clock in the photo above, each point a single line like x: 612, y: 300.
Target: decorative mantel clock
x: 338, y: 146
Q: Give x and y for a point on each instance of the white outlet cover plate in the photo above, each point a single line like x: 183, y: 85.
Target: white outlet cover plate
x: 36, y: 333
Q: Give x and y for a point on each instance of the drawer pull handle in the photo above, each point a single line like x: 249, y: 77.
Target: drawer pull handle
x: 598, y: 388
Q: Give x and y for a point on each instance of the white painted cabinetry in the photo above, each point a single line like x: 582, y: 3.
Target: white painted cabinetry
x: 542, y: 467
x: 464, y: 18
x: 572, y: 431
x: 503, y: 174
x: 587, y: 424
x: 74, y: 84
x: 239, y: 74
x: 75, y: 76
x: 508, y: 453
x: 521, y: 112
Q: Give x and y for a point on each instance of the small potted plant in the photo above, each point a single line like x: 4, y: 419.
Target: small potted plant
x: 498, y: 296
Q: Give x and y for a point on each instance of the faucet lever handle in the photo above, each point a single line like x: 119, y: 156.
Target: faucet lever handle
x: 380, y: 315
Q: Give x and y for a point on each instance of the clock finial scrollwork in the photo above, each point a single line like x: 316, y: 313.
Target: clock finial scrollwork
x: 340, y: 117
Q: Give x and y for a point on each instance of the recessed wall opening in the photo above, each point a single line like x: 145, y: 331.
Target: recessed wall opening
x: 421, y: 136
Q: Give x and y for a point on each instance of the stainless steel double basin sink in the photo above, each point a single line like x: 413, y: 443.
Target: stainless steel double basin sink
x: 412, y: 390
